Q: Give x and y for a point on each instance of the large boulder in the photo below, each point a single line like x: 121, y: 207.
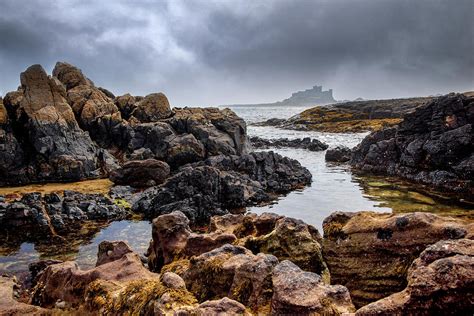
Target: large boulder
x: 152, y: 108
x: 141, y: 173
x: 433, y: 146
x: 296, y: 292
x: 370, y: 253
x: 440, y: 282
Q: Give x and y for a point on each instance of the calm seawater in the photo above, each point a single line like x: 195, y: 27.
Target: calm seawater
x: 334, y: 188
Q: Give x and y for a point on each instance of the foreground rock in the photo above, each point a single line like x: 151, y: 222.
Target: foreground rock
x: 370, y: 253
x: 9, y: 305
x: 223, y: 183
x: 285, y: 238
x: 338, y: 154
x: 432, y: 146
x: 305, y: 143
x: 350, y: 117
x: 36, y: 217
x: 440, y: 282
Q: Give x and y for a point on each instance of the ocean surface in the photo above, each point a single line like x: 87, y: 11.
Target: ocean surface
x: 334, y: 188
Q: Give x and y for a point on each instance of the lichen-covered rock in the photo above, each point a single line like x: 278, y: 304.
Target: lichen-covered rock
x: 370, y: 252
x: 183, y: 149
x: 141, y: 173
x: 296, y: 292
x: 338, y: 154
x: 152, y: 108
x: 440, y: 282
x: 433, y: 146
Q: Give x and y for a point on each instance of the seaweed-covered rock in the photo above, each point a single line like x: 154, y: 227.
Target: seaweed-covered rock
x: 433, y: 146
x: 141, y: 173
x: 370, y: 253
x: 440, y: 282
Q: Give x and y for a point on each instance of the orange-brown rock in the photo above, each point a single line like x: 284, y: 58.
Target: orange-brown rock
x: 440, y: 282
x: 152, y: 108
x: 370, y: 253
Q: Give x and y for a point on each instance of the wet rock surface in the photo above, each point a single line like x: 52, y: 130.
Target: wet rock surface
x: 141, y: 173
x: 302, y: 143
x: 222, y: 183
x: 35, y: 216
x: 432, y: 146
x: 370, y: 253
x: 338, y: 154
x: 440, y: 282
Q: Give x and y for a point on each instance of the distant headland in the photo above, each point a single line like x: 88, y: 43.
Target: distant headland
x: 308, y: 97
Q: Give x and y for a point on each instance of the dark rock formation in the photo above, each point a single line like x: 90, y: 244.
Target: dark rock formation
x: 338, y: 154
x: 35, y: 216
x: 440, y: 282
x: 433, y: 146
x: 141, y: 173
x: 223, y: 183
x: 370, y: 252
x: 305, y: 143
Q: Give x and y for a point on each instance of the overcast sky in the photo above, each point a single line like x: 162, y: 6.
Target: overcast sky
x: 204, y: 52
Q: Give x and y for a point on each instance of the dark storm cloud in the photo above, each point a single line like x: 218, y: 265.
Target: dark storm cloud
x: 222, y: 51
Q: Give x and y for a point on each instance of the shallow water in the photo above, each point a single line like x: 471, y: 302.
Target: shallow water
x: 334, y: 188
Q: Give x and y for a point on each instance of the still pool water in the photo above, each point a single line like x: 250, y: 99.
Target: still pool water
x: 334, y: 188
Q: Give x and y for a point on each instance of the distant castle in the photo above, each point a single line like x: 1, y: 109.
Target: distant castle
x: 313, y: 96
x: 310, y: 97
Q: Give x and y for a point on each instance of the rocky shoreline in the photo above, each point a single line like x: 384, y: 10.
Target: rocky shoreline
x: 301, y: 143
x: 269, y: 264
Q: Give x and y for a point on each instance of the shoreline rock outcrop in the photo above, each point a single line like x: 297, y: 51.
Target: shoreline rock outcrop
x: 433, y: 146
x: 338, y: 154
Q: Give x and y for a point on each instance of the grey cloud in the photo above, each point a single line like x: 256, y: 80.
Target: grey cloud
x: 223, y: 51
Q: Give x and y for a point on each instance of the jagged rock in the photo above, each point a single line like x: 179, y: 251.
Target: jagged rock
x: 338, y: 154
x: 111, y: 250
x: 152, y: 108
x: 433, y: 146
x: 52, y: 144
x: 296, y: 292
x: 173, y: 240
x: 305, y: 143
x: 126, y: 104
x: 370, y: 252
x: 221, y: 183
x: 440, y: 282
x: 141, y: 173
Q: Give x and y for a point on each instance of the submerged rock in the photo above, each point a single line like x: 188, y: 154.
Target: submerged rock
x: 440, y: 282
x: 338, y: 154
x: 370, y: 253
x: 433, y: 146
x: 304, y: 143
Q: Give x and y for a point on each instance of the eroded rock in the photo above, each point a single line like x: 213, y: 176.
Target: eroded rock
x: 141, y: 173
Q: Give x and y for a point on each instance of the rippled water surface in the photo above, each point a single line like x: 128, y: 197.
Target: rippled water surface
x: 334, y: 188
